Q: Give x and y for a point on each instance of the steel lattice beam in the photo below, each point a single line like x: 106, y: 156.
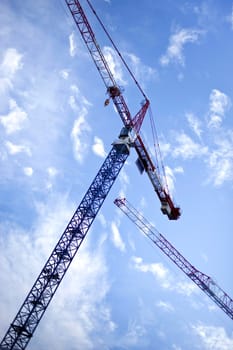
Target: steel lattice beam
x: 168, y: 207
x: 203, y: 281
x: 38, y: 299
x: 88, y: 36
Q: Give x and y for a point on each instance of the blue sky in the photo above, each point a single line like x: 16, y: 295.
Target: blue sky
x: 120, y: 292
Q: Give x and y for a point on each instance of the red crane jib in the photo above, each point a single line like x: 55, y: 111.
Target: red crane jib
x: 115, y: 94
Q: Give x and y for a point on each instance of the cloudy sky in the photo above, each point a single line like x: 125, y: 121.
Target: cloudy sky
x: 120, y: 292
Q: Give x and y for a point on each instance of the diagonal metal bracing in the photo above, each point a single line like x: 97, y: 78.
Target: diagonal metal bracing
x: 38, y: 299
x: 203, y: 281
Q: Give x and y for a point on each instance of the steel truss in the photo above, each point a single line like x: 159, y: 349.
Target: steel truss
x: 44, y: 288
x: 203, y: 281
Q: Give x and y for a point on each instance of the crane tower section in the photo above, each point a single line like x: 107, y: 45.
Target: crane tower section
x: 203, y: 281
x: 33, y: 308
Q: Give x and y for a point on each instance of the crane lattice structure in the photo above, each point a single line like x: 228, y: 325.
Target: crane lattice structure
x: 203, y: 281
x: 167, y: 205
x: 33, y: 308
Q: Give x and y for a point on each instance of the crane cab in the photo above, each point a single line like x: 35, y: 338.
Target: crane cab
x: 173, y: 213
x: 124, y: 141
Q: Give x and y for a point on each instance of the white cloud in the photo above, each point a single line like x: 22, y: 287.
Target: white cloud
x: 166, y: 306
x: 215, y: 121
x: 79, y: 134
x: 220, y: 156
x: 52, y: 172
x: 116, y: 237
x: 124, y: 181
x: 176, y: 347
x: 165, y: 278
x: 187, y: 148
x: 28, y: 171
x: 186, y: 288
x: 165, y: 147
x: 64, y: 74
x: 212, y: 307
x: 223, y: 169
x: 216, y: 151
x: 194, y: 123
x: 73, y: 45
x: 178, y: 170
x: 219, y: 102
x: 15, y: 149
x: 98, y: 147
x: 170, y: 179
x: 102, y: 220
x: 157, y: 269
x: 141, y: 71
x: 213, y: 338
x: 72, y: 103
x: 220, y: 160
x: 81, y: 129
x: 15, y: 119
x: 218, y: 105
x: 11, y: 63
x: 114, y: 64
x: 176, y: 45
x: 77, y: 100
x: 132, y: 338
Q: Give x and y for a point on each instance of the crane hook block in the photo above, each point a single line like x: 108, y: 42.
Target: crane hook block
x: 106, y: 102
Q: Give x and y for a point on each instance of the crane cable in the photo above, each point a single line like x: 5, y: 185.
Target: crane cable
x: 158, y: 154
x: 115, y: 47
x: 154, y: 132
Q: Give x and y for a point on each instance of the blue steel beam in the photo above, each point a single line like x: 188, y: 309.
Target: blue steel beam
x: 27, y: 319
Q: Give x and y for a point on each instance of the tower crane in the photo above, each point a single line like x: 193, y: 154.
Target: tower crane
x: 204, y: 282
x: 114, y: 92
x: 34, y: 306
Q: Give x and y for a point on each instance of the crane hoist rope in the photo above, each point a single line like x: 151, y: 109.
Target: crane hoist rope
x: 157, y: 151
x: 117, y: 50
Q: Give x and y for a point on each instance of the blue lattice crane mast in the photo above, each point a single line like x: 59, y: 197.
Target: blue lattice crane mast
x: 203, y: 281
x: 27, y: 319
x: 33, y: 308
